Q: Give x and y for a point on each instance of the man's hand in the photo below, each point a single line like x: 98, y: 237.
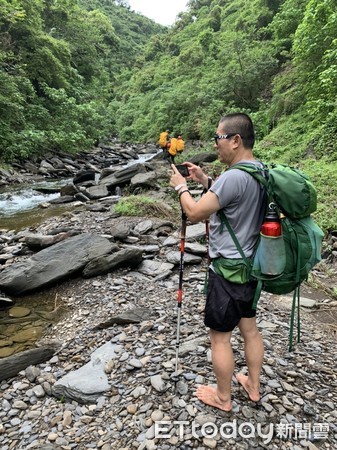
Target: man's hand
x: 208, y: 204
x: 196, y: 174
x: 177, y: 179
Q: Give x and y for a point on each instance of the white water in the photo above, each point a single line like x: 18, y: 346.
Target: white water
x: 18, y: 199
x: 22, y: 200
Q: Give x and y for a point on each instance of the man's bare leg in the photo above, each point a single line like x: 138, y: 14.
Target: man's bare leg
x: 223, y: 366
x: 254, y: 353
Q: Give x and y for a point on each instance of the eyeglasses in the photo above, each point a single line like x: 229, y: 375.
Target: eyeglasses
x: 223, y: 136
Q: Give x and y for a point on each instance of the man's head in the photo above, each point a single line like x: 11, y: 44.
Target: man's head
x: 239, y: 123
x: 234, y: 138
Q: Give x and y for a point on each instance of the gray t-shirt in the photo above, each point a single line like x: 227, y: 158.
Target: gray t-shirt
x: 243, y: 201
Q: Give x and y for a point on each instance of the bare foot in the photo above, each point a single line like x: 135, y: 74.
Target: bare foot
x: 253, y: 394
x: 209, y: 395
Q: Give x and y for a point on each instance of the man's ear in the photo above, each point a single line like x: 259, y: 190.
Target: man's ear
x: 236, y: 140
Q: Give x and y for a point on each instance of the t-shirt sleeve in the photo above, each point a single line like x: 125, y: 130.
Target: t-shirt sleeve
x: 229, y: 186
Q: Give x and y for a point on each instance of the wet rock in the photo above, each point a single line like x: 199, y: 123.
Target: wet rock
x: 121, y: 176
x: 62, y: 199
x: 31, y: 333
x: 19, y: 311
x: 84, y: 175
x: 69, y: 190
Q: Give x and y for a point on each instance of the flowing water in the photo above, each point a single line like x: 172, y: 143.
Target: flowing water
x: 20, y: 204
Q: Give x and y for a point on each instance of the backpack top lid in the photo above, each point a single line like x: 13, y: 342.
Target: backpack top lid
x: 292, y: 191
x: 288, y: 187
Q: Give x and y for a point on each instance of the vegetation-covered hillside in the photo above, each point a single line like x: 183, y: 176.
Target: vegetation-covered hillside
x: 274, y: 59
x: 59, y: 62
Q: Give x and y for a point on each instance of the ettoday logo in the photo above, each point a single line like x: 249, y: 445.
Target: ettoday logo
x: 246, y: 430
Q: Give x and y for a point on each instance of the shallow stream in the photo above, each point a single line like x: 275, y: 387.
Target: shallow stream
x: 20, y: 207
x: 20, y: 204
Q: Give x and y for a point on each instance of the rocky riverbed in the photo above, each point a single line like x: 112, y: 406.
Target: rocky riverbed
x: 111, y: 383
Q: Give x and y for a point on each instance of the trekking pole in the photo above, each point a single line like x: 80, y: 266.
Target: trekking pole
x: 180, y: 288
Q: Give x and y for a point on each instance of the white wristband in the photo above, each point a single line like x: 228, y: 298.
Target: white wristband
x: 180, y: 186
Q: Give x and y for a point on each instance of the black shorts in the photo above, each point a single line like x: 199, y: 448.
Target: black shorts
x: 227, y: 303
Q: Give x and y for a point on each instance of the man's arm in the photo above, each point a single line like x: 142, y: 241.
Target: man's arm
x: 201, y: 210
x: 207, y: 205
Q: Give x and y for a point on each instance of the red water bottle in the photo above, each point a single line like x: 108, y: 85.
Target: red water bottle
x: 271, y: 225
x: 270, y: 256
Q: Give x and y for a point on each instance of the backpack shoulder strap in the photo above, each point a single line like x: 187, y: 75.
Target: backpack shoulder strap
x: 261, y: 174
x: 225, y: 222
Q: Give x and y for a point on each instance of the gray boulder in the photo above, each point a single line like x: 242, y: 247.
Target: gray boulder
x: 37, y: 242
x: 174, y: 258
x: 195, y: 232
x: 154, y: 268
x: 147, y: 180
x: 120, y: 230
x: 95, y: 192
x: 53, y: 263
x: 122, y: 176
x: 204, y: 157
x: 130, y: 256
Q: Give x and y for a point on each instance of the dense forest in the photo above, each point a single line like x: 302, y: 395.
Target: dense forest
x: 59, y: 66
x: 75, y: 71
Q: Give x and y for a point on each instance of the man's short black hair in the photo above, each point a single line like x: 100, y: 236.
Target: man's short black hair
x: 239, y: 123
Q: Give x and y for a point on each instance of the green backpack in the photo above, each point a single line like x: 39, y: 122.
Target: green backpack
x: 295, y: 198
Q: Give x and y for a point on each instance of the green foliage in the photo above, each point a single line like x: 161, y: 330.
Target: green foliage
x: 133, y: 205
x: 200, y: 69
x: 285, y: 23
x: 288, y: 142
x: 58, y: 62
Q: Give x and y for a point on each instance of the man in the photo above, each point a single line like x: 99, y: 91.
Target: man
x: 229, y: 304
x: 164, y: 139
x: 172, y: 149
x: 180, y: 144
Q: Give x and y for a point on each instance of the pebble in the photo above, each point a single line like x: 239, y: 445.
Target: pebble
x: 157, y: 415
x: 158, y: 383
x: 132, y: 408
